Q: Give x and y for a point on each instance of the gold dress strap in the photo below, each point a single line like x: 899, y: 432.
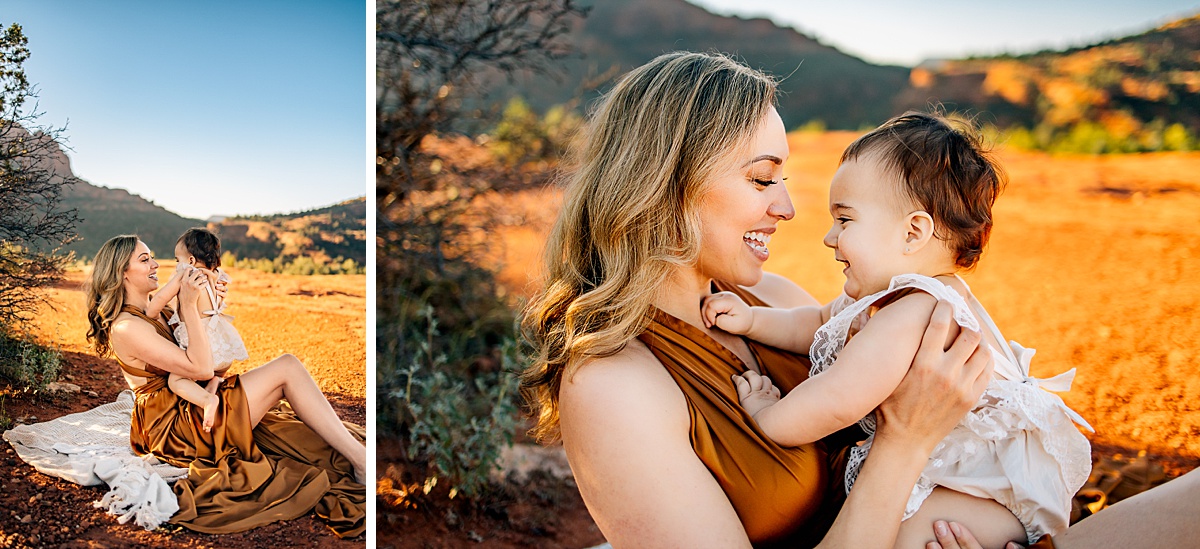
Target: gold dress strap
x: 783, y: 496
x: 159, y: 326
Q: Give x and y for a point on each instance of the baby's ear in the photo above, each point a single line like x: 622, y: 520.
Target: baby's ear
x: 920, y: 231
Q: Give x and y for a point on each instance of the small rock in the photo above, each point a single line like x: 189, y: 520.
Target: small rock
x: 69, y: 377
x: 26, y: 519
x: 62, y: 387
x: 93, y: 394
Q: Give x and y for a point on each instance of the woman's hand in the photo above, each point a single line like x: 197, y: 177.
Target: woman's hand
x: 939, y: 388
x: 181, y: 270
x: 193, y: 284
x: 956, y: 536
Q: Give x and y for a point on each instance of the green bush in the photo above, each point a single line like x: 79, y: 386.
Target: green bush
x: 302, y: 265
x: 454, y: 410
x: 1093, y: 138
x: 28, y: 365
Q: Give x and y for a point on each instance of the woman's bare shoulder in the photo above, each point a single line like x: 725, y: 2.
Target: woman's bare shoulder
x: 629, y: 385
x: 126, y: 323
x: 781, y: 292
x: 625, y: 428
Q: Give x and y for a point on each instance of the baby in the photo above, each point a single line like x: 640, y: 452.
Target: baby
x: 201, y: 249
x: 911, y: 204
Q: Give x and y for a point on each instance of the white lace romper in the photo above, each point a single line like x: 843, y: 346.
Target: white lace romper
x: 1019, y: 446
x: 223, y: 338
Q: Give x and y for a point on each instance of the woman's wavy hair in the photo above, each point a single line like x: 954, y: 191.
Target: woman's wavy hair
x: 945, y: 168
x: 630, y: 214
x: 105, y: 290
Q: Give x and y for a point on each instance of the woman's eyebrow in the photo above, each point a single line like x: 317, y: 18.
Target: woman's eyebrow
x: 774, y: 159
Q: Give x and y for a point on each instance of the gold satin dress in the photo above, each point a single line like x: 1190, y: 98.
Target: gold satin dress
x: 786, y: 497
x: 241, y: 478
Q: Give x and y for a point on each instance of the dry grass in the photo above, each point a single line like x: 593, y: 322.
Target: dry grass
x: 1094, y: 261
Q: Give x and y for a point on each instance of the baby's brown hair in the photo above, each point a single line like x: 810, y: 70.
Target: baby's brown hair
x: 945, y: 168
x: 203, y: 245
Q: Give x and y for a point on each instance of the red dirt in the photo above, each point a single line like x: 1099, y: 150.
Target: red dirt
x: 273, y: 317
x: 541, y: 511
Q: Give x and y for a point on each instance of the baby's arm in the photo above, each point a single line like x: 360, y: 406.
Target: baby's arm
x: 867, y: 370
x: 787, y: 329
x: 188, y: 390
x: 165, y: 294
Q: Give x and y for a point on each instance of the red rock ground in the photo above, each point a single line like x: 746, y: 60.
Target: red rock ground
x: 274, y: 314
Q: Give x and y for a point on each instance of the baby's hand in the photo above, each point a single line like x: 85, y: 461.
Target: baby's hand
x: 755, y: 391
x: 181, y: 269
x: 728, y: 312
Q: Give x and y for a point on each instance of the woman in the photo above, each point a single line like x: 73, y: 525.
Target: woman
x: 258, y: 464
x: 675, y: 194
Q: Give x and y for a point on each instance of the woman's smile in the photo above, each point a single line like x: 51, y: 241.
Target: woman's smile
x: 757, y: 241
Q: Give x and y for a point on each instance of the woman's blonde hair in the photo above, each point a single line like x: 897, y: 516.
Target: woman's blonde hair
x: 630, y: 215
x: 105, y: 290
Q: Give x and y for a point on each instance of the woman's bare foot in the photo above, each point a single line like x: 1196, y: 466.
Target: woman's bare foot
x: 210, y: 412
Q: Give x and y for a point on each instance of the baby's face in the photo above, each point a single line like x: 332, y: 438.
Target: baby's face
x: 869, y: 225
x: 182, y: 255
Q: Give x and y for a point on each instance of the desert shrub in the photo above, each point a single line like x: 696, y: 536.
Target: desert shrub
x: 27, y: 364
x: 454, y: 409
x: 1094, y: 138
x: 522, y: 136
x: 302, y: 265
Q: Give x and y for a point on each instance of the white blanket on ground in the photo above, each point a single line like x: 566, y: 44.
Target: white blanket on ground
x: 91, y: 448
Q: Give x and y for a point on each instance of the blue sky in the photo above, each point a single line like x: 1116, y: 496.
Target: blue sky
x: 905, y: 33
x: 207, y: 108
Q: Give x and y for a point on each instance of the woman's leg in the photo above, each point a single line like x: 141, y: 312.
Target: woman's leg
x: 1164, y: 516
x: 286, y: 377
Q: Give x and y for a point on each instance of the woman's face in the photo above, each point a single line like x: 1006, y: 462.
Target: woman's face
x: 142, y: 274
x: 740, y: 211
x: 869, y: 231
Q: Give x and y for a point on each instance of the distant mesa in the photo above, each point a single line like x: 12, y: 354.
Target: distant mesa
x: 1145, y: 79
x: 323, y: 234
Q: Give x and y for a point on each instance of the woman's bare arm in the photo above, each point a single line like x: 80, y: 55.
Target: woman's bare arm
x: 625, y: 429
x: 132, y: 337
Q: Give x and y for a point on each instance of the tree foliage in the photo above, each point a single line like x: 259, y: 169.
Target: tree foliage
x: 33, y: 226
x: 447, y: 396
x: 433, y: 59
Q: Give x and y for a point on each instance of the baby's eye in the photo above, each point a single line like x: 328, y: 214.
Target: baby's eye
x: 843, y: 220
x: 765, y: 182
